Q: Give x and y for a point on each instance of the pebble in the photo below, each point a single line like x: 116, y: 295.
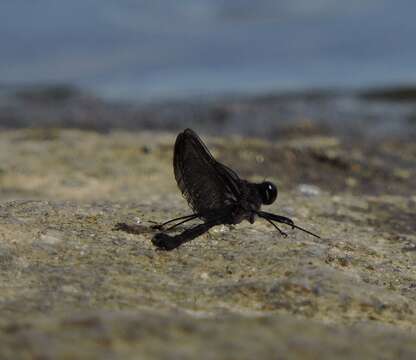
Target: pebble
x: 309, y: 190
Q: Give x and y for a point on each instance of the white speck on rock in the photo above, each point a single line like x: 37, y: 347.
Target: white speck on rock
x: 51, y: 237
x: 69, y: 289
x: 309, y: 190
x: 260, y: 159
x: 224, y: 228
x: 221, y: 229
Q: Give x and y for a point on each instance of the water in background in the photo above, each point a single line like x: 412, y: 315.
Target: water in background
x: 171, y: 49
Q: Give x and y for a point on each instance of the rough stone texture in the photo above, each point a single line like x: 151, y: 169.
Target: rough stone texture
x: 73, y: 287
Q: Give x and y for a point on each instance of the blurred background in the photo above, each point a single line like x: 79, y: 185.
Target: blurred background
x: 345, y: 67
x: 317, y: 96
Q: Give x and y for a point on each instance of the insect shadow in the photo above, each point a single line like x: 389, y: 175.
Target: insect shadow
x: 133, y: 228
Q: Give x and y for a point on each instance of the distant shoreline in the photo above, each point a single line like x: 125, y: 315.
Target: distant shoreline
x: 372, y: 112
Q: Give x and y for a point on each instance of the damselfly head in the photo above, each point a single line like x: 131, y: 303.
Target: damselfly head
x: 268, y: 192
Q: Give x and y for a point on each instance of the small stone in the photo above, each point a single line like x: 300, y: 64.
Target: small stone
x: 146, y: 149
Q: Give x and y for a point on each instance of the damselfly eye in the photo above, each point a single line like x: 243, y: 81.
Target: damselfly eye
x: 268, y: 192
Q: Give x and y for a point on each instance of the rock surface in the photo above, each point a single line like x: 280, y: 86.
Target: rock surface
x: 74, y: 287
